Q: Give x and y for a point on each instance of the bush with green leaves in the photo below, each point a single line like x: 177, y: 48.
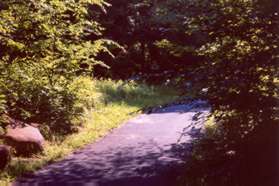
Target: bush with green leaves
x: 240, y: 72
x: 241, y: 63
x: 45, y: 46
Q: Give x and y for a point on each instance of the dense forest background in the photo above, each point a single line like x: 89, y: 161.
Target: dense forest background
x: 224, y: 51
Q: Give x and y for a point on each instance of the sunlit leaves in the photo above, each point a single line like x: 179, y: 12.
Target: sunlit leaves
x: 45, y: 44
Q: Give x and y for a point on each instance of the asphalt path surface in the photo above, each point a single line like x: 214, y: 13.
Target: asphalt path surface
x: 149, y: 150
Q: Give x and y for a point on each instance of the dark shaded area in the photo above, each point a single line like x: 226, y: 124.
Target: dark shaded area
x: 5, y: 156
x: 255, y: 162
x: 139, y: 26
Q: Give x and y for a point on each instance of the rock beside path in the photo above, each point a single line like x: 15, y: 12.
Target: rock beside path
x: 25, y: 140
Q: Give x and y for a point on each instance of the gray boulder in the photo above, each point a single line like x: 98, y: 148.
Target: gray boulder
x: 26, y: 140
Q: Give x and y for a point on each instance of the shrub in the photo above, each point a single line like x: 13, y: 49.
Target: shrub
x: 45, y: 45
x: 240, y: 71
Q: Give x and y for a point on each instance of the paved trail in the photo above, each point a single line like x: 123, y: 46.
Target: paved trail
x: 147, y: 151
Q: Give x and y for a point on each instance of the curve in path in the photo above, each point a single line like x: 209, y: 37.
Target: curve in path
x: 148, y: 150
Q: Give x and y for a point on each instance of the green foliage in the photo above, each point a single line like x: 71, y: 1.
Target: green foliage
x: 48, y: 31
x: 45, y: 46
x: 55, y: 102
x: 2, y: 103
x: 240, y: 48
x: 242, y: 63
x: 173, y: 49
x: 140, y: 25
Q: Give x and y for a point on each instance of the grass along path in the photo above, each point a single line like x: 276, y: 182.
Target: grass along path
x: 116, y: 102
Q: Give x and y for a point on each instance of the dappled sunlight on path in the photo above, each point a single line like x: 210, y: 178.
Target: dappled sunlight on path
x: 147, y: 150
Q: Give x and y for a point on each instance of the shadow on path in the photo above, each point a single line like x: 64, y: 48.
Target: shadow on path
x: 149, y: 150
